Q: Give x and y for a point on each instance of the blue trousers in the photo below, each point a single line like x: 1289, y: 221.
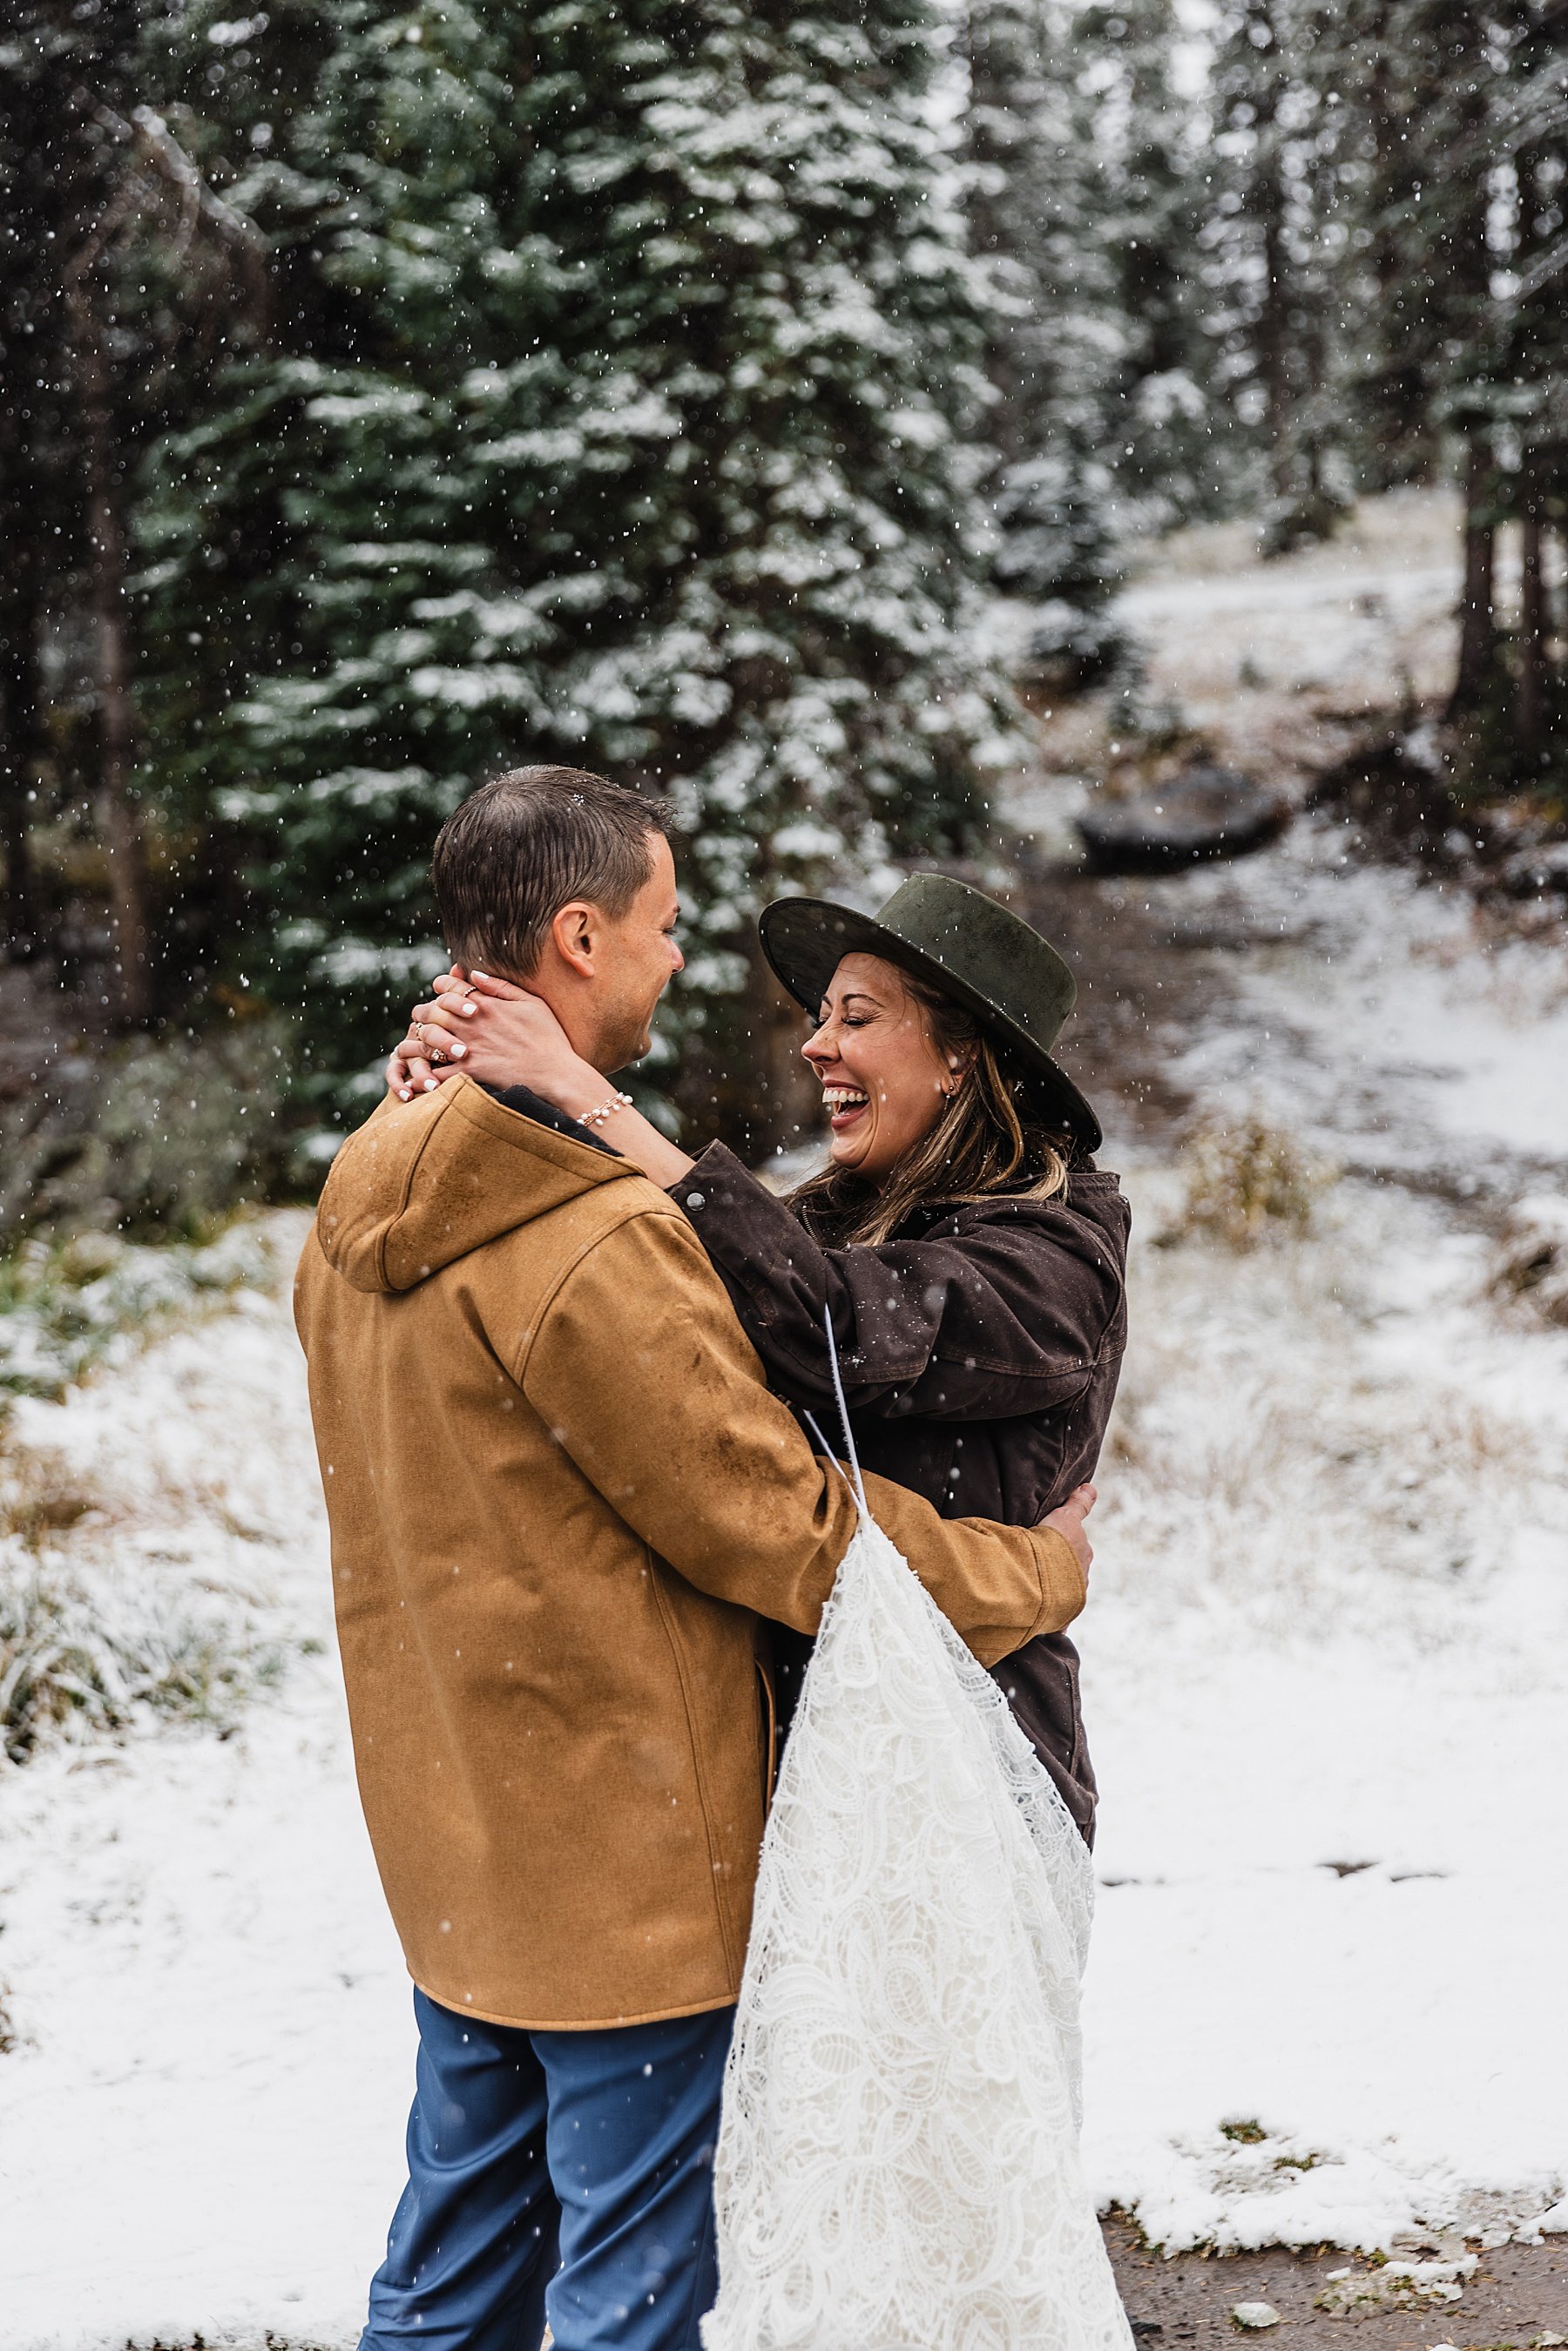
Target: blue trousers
x: 559, y: 2176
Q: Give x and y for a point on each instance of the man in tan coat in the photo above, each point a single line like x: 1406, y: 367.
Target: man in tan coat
x: 562, y: 1506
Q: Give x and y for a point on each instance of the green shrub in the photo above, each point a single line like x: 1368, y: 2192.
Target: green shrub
x: 159, y: 1137
x: 67, y: 1306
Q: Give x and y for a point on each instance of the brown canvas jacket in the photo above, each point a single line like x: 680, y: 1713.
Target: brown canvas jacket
x: 980, y: 1350
x: 561, y: 1499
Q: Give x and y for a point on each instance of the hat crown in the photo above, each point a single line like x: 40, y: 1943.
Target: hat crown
x: 987, y: 948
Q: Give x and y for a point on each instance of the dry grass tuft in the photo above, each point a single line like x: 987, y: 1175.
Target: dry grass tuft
x: 1246, y: 1181
x: 42, y: 1498
x: 1531, y: 1260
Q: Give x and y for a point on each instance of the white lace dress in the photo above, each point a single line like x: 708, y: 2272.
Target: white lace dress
x: 898, y: 2162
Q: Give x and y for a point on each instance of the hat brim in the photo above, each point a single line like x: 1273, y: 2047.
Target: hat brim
x: 806, y: 939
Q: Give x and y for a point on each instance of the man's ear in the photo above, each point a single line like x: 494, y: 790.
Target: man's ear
x: 573, y: 933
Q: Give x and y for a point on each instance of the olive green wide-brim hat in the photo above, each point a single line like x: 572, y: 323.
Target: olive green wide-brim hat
x: 961, y: 942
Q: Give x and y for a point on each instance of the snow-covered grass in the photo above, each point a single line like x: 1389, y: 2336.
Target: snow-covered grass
x: 94, y: 1652
x: 210, y: 2041
x: 102, y: 1622
x: 1327, y: 1673
x: 1392, y: 1023
x: 1361, y: 623
x: 1326, y: 1661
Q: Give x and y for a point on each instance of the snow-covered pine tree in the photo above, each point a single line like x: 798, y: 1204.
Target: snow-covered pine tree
x: 1058, y: 340
x: 1275, y: 237
x: 1086, y: 201
x: 630, y: 369
x: 1145, y: 201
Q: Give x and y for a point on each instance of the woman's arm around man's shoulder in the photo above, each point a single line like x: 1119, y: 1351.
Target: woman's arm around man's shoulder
x: 1002, y: 1307
x: 644, y: 1377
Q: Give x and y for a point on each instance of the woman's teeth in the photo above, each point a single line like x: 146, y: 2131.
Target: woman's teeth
x: 838, y: 1098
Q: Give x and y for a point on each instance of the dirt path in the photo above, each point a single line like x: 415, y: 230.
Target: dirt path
x: 1405, y: 1035
x: 1518, y: 2296
x: 1148, y: 982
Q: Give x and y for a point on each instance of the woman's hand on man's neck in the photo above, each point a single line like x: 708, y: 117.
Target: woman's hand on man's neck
x: 504, y: 1035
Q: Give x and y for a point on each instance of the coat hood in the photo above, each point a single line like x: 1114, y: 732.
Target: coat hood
x: 424, y: 1183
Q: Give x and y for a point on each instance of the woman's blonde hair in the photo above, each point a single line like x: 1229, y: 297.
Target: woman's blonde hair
x: 990, y: 1137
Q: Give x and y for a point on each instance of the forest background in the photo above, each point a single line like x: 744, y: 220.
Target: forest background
x: 390, y: 395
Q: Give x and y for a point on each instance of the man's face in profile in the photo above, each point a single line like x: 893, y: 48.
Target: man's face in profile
x: 640, y: 959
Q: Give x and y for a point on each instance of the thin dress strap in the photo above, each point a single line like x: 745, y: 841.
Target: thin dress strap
x: 858, y: 1483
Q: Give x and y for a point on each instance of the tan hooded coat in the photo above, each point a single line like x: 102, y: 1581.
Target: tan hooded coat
x: 560, y: 1498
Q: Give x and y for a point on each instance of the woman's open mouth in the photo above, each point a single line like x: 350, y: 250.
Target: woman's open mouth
x: 844, y: 1106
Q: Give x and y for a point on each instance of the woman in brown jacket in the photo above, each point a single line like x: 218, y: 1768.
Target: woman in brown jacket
x: 971, y: 1254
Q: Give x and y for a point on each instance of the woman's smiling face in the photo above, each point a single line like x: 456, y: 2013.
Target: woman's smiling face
x: 885, y: 1081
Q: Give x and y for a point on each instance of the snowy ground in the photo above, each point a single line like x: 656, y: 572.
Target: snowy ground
x: 1325, y: 1664
x: 1326, y: 1673
x: 201, y: 2112
x: 1360, y: 620
x: 1277, y: 667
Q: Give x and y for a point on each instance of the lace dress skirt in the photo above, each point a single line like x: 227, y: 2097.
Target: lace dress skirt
x: 898, y: 2164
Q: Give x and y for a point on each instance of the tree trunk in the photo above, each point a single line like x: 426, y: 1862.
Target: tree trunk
x: 18, y: 898
x: 1274, y: 340
x: 116, y: 725
x: 992, y: 54
x: 1529, y: 701
x: 1274, y: 335
x: 19, y: 918
x: 1478, y: 637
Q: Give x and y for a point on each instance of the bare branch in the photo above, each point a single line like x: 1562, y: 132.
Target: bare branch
x: 158, y: 146
x: 162, y: 163
x: 1543, y: 270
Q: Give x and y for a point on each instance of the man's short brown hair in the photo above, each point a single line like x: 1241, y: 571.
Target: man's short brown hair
x: 521, y: 848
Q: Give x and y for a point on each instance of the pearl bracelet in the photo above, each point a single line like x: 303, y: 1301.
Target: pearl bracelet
x: 606, y: 1110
